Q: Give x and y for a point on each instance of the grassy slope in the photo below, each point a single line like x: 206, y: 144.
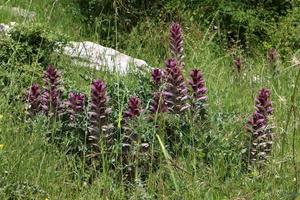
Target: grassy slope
x: 28, y: 158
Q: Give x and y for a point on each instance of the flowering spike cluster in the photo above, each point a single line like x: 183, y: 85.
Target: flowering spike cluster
x: 33, y: 99
x: 176, y: 43
x: 75, y: 104
x: 51, y: 102
x: 238, y: 64
x: 158, y: 103
x: 261, y: 133
x: 263, y: 104
x: 176, y: 91
x: 134, y: 109
x: 98, y: 115
x: 197, y: 83
x: 157, y: 76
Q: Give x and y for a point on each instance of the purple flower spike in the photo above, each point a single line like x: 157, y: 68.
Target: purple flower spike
x: 33, y: 99
x: 158, y: 103
x: 261, y: 134
x: 157, y: 76
x: 98, y: 114
x: 262, y: 103
x: 238, y: 64
x: 176, y: 91
x: 51, y: 78
x: 198, y: 85
x: 134, y: 109
x: 176, y: 43
x: 75, y: 104
x: 51, y: 97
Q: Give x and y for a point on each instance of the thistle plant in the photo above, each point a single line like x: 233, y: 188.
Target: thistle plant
x: 261, y: 133
x: 51, y: 97
x: 33, y: 100
x: 176, y: 92
x: 75, y: 104
x: 176, y: 43
x: 99, y: 127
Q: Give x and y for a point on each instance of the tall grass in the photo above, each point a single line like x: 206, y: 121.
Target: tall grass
x: 32, y: 167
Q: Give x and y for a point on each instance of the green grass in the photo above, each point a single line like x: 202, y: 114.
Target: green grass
x: 33, y: 168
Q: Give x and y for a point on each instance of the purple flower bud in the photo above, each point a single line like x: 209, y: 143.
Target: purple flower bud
x: 134, y: 109
x: 75, y: 104
x: 157, y: 76
x: 238, y: 64
x: 198, y: 85
x: 176, y: 43
x: 33, y: 99
x: 51, y: 78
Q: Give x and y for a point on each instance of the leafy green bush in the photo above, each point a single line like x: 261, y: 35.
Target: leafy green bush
x: 242, y: 22
x: 23, y: 51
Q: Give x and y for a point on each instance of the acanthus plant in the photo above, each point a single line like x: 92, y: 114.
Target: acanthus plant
x: 100, y: 130
x: 33, y: 100
x: 51, y: 97
x: 176, y: 43
x: 258, y: 127
x: 199, y: 92
x: 133, y: 147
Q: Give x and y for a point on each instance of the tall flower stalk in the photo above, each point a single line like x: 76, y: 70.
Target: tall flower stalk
x: 199, y: 92
x: 99, y: 127
x: 133, y: 149
x: 51, y: 97
x: 176, y: 43
x: 197, y: 83
x: 258, y: 127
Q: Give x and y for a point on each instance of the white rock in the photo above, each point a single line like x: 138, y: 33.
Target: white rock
x: 5, y: 28
x: 93, y: 55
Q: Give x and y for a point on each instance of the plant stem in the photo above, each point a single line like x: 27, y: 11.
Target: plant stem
x: 289, y: 114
